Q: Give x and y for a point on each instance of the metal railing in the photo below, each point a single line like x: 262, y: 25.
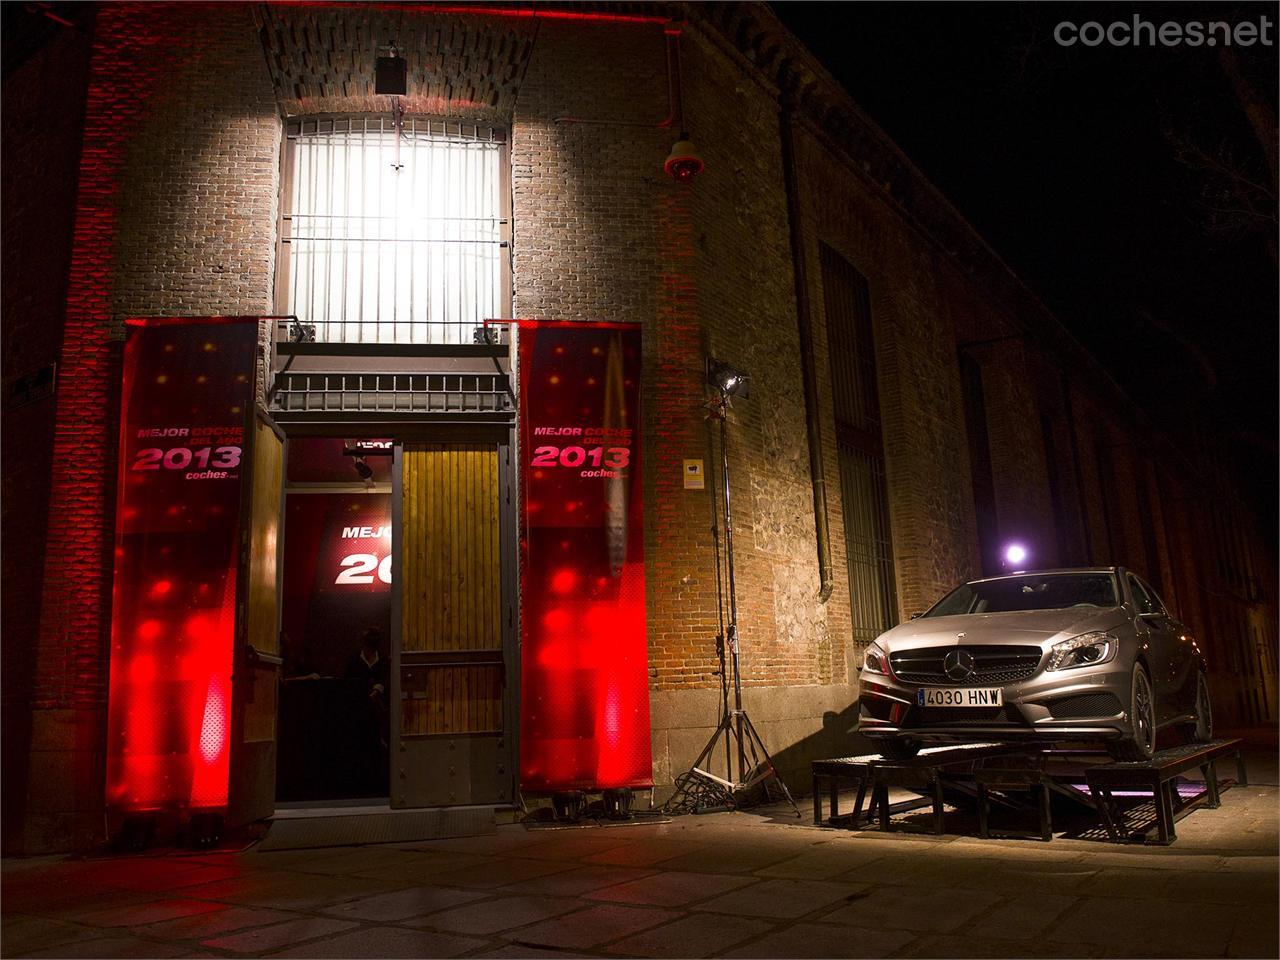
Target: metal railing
x: 391, y: 393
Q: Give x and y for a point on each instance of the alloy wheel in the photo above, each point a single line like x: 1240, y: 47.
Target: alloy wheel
x: 1204, y: 710
x: 1144, y: 712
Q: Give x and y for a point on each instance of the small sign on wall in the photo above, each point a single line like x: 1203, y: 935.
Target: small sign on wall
x: 694, y: 476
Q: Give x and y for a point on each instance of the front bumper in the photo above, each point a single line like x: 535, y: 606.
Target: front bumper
x: 1083, y: 704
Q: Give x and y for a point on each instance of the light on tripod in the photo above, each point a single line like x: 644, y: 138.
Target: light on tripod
x: 747, y: 762
x: 726, y: 378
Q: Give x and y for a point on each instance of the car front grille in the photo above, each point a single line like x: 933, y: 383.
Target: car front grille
x: 1081, y: 706
x: 923, y: 717
x: 994, y: 663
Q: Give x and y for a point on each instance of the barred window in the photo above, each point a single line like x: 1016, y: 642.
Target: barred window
x: 387, y: 245
x: 864, y: 495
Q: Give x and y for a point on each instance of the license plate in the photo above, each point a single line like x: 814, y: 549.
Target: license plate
x: 960, y: 696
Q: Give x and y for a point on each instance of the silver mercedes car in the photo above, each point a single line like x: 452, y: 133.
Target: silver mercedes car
x: 1087, y: 654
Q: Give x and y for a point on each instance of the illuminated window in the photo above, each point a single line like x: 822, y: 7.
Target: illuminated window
x: 379, y: 245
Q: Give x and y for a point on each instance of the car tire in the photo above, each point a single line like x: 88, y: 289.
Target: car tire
x: 899, y: 748
x: 1140, y: 744
x: 1201, y: 731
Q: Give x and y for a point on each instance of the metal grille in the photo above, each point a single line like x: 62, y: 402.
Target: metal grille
x: 864, y: 497
x: 993, y: 664
x: 866, y: 541
x: 959, y: 716
x: 391, y: 393
x: 386, y: 242
x: 1085, y: 705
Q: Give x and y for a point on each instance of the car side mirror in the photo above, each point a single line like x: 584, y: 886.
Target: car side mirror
x: 917, y: 615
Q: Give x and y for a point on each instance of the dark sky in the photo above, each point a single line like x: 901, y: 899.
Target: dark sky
x: 1125, y: 186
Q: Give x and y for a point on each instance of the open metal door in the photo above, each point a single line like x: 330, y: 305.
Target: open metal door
x: 256, y: 679
x: 451, y: 696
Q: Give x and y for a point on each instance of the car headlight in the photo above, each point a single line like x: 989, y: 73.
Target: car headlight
x: 1086, y: 650
x: 874, y: 660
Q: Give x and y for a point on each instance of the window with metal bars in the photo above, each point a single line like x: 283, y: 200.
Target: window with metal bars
x: 393, y: 239
x: 864, y: 495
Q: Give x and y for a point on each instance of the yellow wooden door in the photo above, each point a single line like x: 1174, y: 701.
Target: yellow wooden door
x: 452, y: 674
x: 257, y: 671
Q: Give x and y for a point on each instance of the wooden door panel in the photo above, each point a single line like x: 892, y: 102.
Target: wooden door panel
x: 452, y: 673
x: 450, y: 568
x: 460, y: 698
x: 257, y: 671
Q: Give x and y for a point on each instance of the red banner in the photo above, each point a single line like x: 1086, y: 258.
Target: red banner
x: 584, y: 659
x: 187, y: 394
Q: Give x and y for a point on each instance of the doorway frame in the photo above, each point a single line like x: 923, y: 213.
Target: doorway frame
x: 458, y: 428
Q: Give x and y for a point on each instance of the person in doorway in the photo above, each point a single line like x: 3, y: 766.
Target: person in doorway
x: 371, y: 717
x: 367, y: 664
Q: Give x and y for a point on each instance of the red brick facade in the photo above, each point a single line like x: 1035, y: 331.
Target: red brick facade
x: 176, y: 213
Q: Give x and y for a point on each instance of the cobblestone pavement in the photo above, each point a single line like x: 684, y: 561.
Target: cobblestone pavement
x: 754, y: 884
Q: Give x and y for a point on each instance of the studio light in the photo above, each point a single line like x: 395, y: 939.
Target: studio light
x: 137, y: 832
x: 748, y: 765
x: 205, y: 830
x: 728, y: 379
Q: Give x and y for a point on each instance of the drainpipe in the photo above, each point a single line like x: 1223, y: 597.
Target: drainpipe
x: 804, y: 319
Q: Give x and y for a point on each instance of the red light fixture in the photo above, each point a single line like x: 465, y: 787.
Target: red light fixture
x: 684, y: 162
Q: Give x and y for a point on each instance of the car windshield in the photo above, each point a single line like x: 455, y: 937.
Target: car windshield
x: 1029, y: 592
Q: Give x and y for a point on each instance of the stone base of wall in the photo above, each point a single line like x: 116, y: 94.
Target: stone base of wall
x: 798, y: 724
x: 64, y: 792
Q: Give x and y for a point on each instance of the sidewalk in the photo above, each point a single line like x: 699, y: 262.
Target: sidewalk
x: 755, y: 884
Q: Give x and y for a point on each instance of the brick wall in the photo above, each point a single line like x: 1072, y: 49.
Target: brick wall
x: 175, y: 215
x: 41, y: 159
x: 926, y: 457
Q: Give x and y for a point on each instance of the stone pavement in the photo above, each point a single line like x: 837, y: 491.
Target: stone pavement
x: 754, y: 884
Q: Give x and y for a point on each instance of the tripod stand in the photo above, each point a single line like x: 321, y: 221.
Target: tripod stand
x: 735, y: 726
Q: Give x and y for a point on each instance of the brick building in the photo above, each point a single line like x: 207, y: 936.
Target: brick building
x: 912, y: 404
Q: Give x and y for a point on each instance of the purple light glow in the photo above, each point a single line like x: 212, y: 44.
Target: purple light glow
x: 1015, y: 554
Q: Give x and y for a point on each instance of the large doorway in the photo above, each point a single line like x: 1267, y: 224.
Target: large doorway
x: 397, y: 623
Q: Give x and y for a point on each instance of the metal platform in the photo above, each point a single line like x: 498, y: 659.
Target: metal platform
x: 1159, y: 776
x: 999, y: 776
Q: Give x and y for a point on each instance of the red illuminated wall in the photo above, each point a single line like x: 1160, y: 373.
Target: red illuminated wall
x: 584, y: 720
x: 187, y: 390
x: 179, y: 135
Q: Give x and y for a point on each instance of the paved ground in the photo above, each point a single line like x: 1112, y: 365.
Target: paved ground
x: 731, y: 885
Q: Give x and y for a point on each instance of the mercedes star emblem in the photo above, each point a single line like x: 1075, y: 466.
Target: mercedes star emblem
x: 959, y: 664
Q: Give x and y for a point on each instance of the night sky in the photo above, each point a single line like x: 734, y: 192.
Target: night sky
x: 1126, y: 186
